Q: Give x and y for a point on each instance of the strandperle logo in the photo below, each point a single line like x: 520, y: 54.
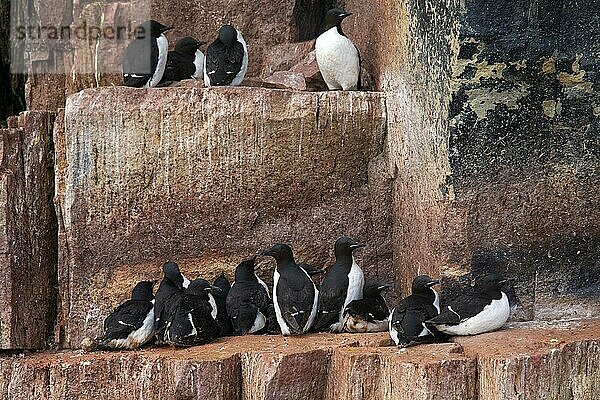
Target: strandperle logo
x: 92, y: 42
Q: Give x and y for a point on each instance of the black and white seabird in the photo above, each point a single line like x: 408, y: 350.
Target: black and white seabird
x: 220, y: 297
x: 337, y: 57
x: 166, y: 298
x: 369, y: 314
x: 194, y: 319
x: 295, y: 296
x: 186, y: 61
x: 146, y: 56
x: 484, y: 310
x: 407, y: 320
x: 131, y: 325
x: 248, y: 302
x: 343, y: 283
x: 226, y: 59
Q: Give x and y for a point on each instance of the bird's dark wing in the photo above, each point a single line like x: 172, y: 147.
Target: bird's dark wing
x: 331, y: 299
x: 295, y: 298
x: 460, y: 309
x: 182, y: 65
x: 192, y: 323
x: 370, y: 310
x: 243, y: 302
x: 166, y: 301
x: 359, y: 83
x: 223, y: 63
x: 139, y: 62
x: 126, y: 318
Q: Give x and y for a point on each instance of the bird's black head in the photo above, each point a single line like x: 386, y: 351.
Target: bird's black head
x: 152, y: 28
x: 334, y: 17
x: 373, y: 290
x: 245, y: 270
x: 345, y: 246
x: 143, y: 291
x: 223, y: 284
x: 173, y: 274
x: 227, y: 35
x: 491, y: 283
x: 188, y: 45
x: 280, y: 252
x: 201, y: 287
x: 422, y: 284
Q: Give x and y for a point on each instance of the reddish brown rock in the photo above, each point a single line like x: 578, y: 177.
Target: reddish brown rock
x: 310, y: 69
x: 207, y: 177
x: 28, y: 249
x: 287, y: 79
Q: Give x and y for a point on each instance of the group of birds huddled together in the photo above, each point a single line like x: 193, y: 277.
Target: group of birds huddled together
x: 183, y: 313
x: 148, y: 62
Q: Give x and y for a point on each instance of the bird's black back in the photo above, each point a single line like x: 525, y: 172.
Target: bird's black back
x: 333, y: 293
x: 223, y: 63
x: 410, y: 314
x: 180, y: 65
x: 141, y: 59
x: 221, y: 299
x: 126, y: 318
x: 180, y: 330
x: 166, y: 301
x: 295, y: 296
x: 244, y: 300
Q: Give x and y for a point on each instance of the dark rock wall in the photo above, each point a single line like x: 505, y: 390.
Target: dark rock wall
x: 525, y: 150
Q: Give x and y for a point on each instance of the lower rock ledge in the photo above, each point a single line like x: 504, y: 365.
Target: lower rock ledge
x: 522, y: 362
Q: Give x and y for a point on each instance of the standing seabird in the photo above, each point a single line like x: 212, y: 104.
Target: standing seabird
x: 146, y: 56
x: 226, y: 59
x: 337, y: 57
x: 248, y: 302
x: 295, y: 296
x: 407, y: 320
x: 343, y: 283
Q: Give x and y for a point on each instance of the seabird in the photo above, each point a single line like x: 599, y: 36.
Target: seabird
x: 369, y: 314
x: 226, y: 59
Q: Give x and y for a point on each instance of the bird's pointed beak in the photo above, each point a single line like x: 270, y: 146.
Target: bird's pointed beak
x: 433, y: 282
x: 167, y: 28
x: 346, y: 14
x: 357, y: 245
x: 214, y: 288
x: 384, y: 286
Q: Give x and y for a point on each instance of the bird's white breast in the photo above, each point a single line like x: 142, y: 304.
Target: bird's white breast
x: 392, y: 330
x: 240, y: 75
x: 284, y: 328
x: 163, y: 49
x: 199, y: 64
x: 492, y: 317
x: 213, y: 305
x: 338, y: 60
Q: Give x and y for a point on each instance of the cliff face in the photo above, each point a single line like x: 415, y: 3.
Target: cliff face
x: 208, y: 177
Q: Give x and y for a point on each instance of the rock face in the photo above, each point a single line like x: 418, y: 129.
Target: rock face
x: 28, y: 255
x: 523, y: 362
x: 493, y: 132
x: 208, y: 177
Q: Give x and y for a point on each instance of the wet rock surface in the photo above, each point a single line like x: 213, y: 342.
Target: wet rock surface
x: 557, y: 361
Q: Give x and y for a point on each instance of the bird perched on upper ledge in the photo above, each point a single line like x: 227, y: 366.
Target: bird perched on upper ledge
x: 484, y: 310
x: 226, y: 59
x: 186, y: 61
x: 407, y: 320
x: 146, y: 56
x: 337, y: 56
x: 369, y: 314
x: 295, y: 296
x: 131, y: 325
x: 343, y: 282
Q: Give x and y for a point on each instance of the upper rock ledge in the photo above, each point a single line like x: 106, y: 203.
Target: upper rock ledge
x: 521, y: 362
